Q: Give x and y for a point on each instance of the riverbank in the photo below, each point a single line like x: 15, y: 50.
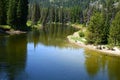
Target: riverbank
x: 6, y: 29
x: 11, y: 32
x: 15, y: 32
x: 80, y: 41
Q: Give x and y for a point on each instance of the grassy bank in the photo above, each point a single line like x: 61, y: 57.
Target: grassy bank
x: 78, y: 38
x: 5, y: 27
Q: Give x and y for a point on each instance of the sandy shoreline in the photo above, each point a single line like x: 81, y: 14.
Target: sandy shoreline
x: 15, y: 32
x: 115, y: 52
x: 12, y: 32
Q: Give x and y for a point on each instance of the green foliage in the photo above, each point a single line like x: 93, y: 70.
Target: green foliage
x: 62, y: 11
x: 17, y: 14
x: 78, y: 39
x: 35, y: 13
x: 5, y: 26
x: 95, y: 29
x: 76, y: 14
x: 29, y: 23
x: 3, y: 10
x: 11, y: 14
x: 81, y: 34
x: 22, y: 12
x: 114, y: 37
x: 97, y: 15
x: 75, y: 11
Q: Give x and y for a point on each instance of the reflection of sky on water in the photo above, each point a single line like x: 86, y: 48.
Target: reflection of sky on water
x: 55, y: 63
x: 46, y: 55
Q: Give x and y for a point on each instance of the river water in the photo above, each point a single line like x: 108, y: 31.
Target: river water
x: 47, y: 55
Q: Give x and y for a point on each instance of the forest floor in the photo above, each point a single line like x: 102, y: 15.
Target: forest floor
x: 81, y: 41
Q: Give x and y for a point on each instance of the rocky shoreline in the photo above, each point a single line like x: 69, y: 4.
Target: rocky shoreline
x: 102, y: 48
x: 15, y: 32
x: 11, y: 32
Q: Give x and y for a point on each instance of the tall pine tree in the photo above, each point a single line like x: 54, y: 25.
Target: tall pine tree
x: 21, y: 14
x: 17, y: 14
x: 114, y: 37
x: 3, y: 10
x: 11, y: 14
x: 35, y: 13
x: 95, y: 29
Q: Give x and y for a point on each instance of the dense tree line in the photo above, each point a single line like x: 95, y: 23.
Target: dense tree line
x: 14, y: 13
x: 114, y: 35
x: 75, y: 11
x: 3, y: 11
x: 104, y: 25
x: 59, y: 10
x: 100, y: 16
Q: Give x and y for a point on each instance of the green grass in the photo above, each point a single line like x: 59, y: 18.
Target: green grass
x: 38, y: 26
x: 77, y: 25
x: 5, y: 26
x: 81, y: 39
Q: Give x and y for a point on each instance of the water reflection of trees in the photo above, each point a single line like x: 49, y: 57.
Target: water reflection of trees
x: 51, y: 35
x: 92, y: 64
x: 12, y: 56
x: 97, y: 62
x: 113, y: 68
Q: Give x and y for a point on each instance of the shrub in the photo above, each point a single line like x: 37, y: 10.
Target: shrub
x: 81, y: 34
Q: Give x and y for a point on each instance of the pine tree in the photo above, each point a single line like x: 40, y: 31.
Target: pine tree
x: 17, y: 14
x: 108, y: 12
x: 114, y: 37
x: 95, y: 29
x: 35, y: 13
x: 3, y: 10
x: 21, y: 14
x: 11, y: 14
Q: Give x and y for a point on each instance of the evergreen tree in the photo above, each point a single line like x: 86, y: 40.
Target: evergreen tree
x: 3, y: 10
x: 114, y: 37
x: 17, y: 14
x: 108, y: 15
x: 35, y: 13
x: 95, y: 29
x: 21, y: 14
x: 11, y: 14
x: 52, y: 14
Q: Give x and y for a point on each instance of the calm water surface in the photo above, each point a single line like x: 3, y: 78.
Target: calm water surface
x: 47, y: 55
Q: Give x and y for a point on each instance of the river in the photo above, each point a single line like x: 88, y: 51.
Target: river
x: 47, y: 55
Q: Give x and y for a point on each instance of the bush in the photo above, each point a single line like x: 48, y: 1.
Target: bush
x: 81, y: 34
